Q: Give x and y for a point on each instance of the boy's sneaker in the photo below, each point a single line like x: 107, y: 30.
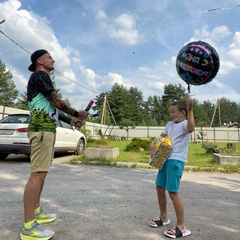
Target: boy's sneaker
x: 45, y: 217
x: 36, y: 232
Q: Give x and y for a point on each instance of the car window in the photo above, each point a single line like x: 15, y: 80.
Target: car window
x: 65, y: 125
x: 24, y: 119
x: 16, y: 119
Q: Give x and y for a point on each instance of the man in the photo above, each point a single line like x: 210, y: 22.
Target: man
x: 44, y: 103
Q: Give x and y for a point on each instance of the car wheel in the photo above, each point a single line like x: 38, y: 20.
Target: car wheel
x: 80, y: 147
x: 3, y: 156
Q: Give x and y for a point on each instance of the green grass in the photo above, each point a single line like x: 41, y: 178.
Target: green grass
x: 203, y: 161
x: 198, y: 158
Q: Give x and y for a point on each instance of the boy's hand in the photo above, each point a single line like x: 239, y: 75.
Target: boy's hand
x: 152, y: 147
x: 189, y: 103
x: 190, y: 117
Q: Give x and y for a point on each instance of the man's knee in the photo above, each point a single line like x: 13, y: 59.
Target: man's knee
x: 38, y: 176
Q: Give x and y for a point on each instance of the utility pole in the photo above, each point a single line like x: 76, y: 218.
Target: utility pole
x: 104, y: 111
x: 219, y: 113
x: 3, y: 113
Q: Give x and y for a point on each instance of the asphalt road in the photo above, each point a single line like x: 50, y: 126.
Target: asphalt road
x: 110, y: 203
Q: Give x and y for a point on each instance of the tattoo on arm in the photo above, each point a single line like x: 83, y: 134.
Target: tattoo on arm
x: 57, y: 102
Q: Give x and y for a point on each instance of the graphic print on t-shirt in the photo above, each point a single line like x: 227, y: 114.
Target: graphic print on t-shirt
x: 43, y: 114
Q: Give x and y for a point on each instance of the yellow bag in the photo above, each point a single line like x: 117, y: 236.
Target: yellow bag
x: 160, y: 150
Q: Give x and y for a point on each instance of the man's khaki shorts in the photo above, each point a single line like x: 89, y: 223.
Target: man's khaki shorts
x: 42, y: 150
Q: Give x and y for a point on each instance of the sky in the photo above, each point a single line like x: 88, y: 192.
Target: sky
x: 98, y: 43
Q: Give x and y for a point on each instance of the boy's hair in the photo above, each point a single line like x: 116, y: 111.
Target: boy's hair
x: 181, y: 105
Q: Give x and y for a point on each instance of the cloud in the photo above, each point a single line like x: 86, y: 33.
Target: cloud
x: 31, y: 31
x: 121, y: 29
x: 234, y: 49
x: 19, y: 80
x: 211, y: 36
x: 226, y: 67
x: 157, y: 86
x: 115, y: 78
x: 219, y: 33
x: 29, y: 28
x: 90, y: 77
x: 101, y: 16
x: 124, y: 30
x: 105, y: 83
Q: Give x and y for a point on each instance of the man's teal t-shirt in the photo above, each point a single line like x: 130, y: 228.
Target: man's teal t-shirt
x: 43, y: 114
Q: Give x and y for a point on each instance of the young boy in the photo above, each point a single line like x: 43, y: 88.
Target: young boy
x: 179, y: 130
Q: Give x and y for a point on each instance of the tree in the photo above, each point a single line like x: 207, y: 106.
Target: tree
x: 172, y: 92
x: 127, y: 124
x: 8, y: 91
x: 153, y: 109
x: 119, y: 102
x: 207, y: 110
x: 202, y: 113
x: 124, y: 104
x: 98, y: 108
x: 128, y: 105
x: 135, y: 106
x: 229, y: 111
x: 22, y: 103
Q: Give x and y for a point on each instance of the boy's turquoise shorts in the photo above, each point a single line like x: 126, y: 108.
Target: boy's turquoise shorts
x: 169, y: 176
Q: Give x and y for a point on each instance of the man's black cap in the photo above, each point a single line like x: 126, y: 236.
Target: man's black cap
x: 37, y: 54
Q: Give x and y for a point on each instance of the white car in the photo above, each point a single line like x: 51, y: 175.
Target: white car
x: 13, y: 137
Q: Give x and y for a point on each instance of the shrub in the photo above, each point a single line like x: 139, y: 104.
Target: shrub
x: 210, y: 148
x: 229, y: 149
x: 100, y: 142
x: 138, y: 143
x: 97, y: 142
x: 90, y: 140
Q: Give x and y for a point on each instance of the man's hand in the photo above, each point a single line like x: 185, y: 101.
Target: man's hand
x: 82, y: 115
x: 57, y: 102
x: 77, y: 123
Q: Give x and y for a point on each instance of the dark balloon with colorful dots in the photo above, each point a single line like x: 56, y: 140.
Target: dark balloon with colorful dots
x: 197, y: 63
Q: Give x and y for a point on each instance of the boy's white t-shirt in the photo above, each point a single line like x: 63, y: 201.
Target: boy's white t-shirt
x: 179, y: 138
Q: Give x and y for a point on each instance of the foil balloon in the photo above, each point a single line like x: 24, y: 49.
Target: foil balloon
x: 197, y: 63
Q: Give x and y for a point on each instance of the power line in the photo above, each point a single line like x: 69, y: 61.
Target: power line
x: 76, y: 82
x: 14, y: 42
x: 54, y: 70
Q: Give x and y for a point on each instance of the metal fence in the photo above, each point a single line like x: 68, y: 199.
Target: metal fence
x: 211, y: 134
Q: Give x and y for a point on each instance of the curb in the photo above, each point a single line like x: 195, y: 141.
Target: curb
x: 67, y: 159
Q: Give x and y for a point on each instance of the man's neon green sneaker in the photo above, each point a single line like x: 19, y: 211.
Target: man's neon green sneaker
x: 37, y: 232
x: 45, y: 217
